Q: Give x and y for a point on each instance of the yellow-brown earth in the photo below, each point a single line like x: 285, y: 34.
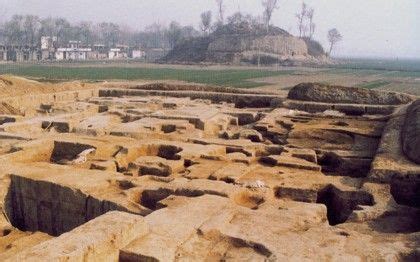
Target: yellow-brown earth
x: 131, y: 172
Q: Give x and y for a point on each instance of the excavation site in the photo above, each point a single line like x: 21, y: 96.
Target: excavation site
x: 169, y: 171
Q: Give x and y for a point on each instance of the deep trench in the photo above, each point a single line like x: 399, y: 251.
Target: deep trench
x: 340, y: 204
x: 35, y: 205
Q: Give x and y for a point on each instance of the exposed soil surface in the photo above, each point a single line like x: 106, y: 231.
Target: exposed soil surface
x: 166, y: 172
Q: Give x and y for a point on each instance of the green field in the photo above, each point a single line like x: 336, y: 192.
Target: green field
x: 399, y: 76
x: 374, y: 84
x: 401, y: 65
x: 235, y: 78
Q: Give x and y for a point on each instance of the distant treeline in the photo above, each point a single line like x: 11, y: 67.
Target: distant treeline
x: 27, y: 30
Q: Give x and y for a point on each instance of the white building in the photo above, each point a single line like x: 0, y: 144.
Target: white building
x: 137, y: 54
x: 116, y: 53
x: 72, y: 53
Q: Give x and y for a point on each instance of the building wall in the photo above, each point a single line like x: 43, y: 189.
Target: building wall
x: 71, y: 54
x: 95, y: 55
x: 47, y: 55
x: 76, y: 55
x: 137, y: 54
x: 59, y: 55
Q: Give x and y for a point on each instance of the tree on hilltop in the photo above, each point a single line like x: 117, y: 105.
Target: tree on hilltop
x: 269, y: 7
x: 311, y: 25
x: 206, y: 19
x: 174, y: 34
x: 301, y: 17
x: 334, y: 37
x: 221, y: 11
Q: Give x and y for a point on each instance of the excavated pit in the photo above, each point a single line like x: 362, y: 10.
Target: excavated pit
x: 201, y: 172
x: 340, y: 204
x: 51, y: 208
x: 333, y: 164
x: 67, y: 152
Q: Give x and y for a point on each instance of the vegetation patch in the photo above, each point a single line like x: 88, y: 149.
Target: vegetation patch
x: 234, y: 78
x: 374, y: 84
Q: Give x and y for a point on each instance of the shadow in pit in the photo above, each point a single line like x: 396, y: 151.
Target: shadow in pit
x: 340, y: 204
x: 151, y: 198
x: 404, y: 222
x: 64, y: 152
x: 335, y: 165
x: 35, y: 205
x: 406, y: 191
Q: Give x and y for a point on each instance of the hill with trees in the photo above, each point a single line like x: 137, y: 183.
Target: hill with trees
x: 251, y: 39
x: 245, y: 39
x: 240, y: 38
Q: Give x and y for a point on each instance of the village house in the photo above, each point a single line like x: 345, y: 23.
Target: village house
x: 74, y: 51
x: 25, y: 53
x: 137, y: 54
x: 114, y: 53
x: 49, y: 50
x: 99, y: 52
x: 119, y: 52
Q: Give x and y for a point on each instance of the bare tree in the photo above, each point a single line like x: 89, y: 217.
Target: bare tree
x: 301, y: 20
x: 85, y: 33
x: 3, y: 12
x: 206, y: 19
x: 14, y: 30
x: 221, y: 11
x: 110, y: 33
x: 334, y: 37
x: 47, y: 27
x: 62, y: 30
x: 269, y: 7
x: 311, y: 24
x: 174, y: 34
x: 154, y: 36
x: 31, y: 26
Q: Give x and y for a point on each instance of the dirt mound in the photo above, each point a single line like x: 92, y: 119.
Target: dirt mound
x: 17, y: 86
x: 411, y: 132
x: 317, y: 92
x: 191, y: 87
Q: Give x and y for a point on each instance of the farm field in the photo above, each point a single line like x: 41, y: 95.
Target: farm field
x: 221, y: 77
x: 392, y: 76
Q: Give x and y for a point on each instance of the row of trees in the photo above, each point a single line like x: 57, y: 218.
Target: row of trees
x: 27, y: 31
x: 207, y: 26
x: 306, y: 27
x: 305, y: 21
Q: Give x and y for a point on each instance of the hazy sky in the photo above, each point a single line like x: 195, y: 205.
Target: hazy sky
x: 388, y: 28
